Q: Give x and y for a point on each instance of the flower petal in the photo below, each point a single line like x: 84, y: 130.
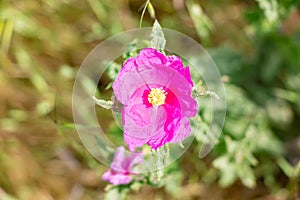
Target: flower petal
x: 183, y: 132
x: 149, y: 56
x: 119, y: 156
x: 136, y: 132
x: 160, y: 139
x: 116, y: 179
x: 176, y: 63
x: 126, y: 85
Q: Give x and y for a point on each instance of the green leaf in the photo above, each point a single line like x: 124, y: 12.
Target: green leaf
x: 227, y: 169
x: 131, y: 50
x: 270, y: 9
x: 98, y: 9
x: 158, y: 40
x: 286, y: 167
x: 151, y: 10
x: 297, y: 170
x: 6, y: 30
x: 113, y: 70
x: 201, y: 21
x: 116, y: 193
x: 136, y: 186
x: 103, y: 103
x: 173, y: 183
x: 246, y: 174
x: 143, y: 12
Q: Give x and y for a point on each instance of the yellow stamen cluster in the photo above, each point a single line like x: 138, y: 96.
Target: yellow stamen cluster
x: 157, y: 96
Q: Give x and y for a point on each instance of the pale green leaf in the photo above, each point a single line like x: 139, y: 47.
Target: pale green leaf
x: 103, y: 103
x: 6, y: 30
x: 158, y: 40
x: 201, y: 21
x: 151, y: 10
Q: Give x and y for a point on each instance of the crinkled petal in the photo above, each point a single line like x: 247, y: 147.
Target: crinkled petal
x: 137, y: 134
x: 172, y: 123
x: 183, y: 92
x: 175, y: 62
x: 140, y: 114
x: 116, y: 178
x: 183, y: 132
x: 134, y: 142
x: 160, y: 139
x: 149, y: 56
x: 187, y: 75
x: 126, y: 85
x: 127, y: 67
x: 119, y: 157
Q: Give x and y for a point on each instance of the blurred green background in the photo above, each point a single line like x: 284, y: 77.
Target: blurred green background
x: 256, y: 45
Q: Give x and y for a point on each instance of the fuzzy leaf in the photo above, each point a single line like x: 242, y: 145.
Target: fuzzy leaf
x: 158, y: 39
x: 103, y: 103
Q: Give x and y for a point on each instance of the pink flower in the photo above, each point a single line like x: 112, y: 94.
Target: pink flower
x: 121, y: 167
x: 156, y: 93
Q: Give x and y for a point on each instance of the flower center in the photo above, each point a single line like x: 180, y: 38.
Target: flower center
x: 157, y: 96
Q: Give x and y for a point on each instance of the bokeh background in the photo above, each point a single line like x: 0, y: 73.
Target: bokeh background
x: 256, y: 45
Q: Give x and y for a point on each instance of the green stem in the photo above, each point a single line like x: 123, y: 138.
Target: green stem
x: 143, y: 13
x: 161, y: 155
